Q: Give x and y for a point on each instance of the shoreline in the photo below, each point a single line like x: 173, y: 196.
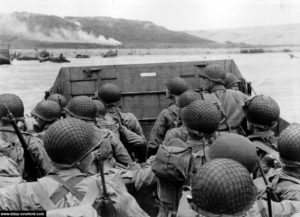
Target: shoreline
x: 156, y: 51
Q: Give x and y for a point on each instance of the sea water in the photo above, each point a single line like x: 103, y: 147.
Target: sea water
x: 273, y: 74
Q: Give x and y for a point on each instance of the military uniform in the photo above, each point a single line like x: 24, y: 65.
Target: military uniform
x: 231, y: 101
x: 260, y: 208
x: 25, y: 197
x: 111, y: 148
x: 35, y: 147
x: 178, y: 132
x: 167, y: 118
x: 70, y: 144
x: 9, y: 173
x: 124, y: 125
x: 202, y: 118
x: 262, y: 113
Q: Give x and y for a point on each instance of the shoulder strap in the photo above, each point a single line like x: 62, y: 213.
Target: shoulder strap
x: 43, y: 196
x: 66, y: 187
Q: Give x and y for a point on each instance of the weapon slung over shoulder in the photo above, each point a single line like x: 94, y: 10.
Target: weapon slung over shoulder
x: 30, y: 160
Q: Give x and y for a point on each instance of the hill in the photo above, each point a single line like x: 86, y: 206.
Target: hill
x: 27, y: 30
x: 276, y: 35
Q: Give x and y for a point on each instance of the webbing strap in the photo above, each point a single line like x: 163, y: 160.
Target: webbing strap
x: 43, y: 196
x: 66, y: 187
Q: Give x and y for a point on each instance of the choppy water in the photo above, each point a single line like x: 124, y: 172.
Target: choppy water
x: 274, y: 74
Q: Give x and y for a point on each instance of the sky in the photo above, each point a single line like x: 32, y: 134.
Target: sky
x: 172, y: 14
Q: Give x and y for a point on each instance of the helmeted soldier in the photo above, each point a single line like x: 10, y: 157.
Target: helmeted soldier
x: 201, y: 119
x: 10, y: 167
x: 242, y: 150
x: 181, y: 132
x: 231, y: 81
x: 71, y: 145
x: 168, y: 118
x: 212, y: 79
x: 286, y: 181
x: 222, y: 187
x: 125, y: 125
x: 262, y: 113
x: 8, y: 134
x: 111, y: 149
x: 45, y: 113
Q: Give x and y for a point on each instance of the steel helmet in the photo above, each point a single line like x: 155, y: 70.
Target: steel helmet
x: 188, y: 97
x: 176, y: 86
x: 223, y: 186
x: 15, y: 105
x: 82, y: 107
x: 109, y: 93
x: 47, y: 110
x: 289, y: 145
x: 262, y: 110
x: 68, y: 141
x: 60, y: 99
x: 230, y: 80
x: 213, y: 72
x: 235, y: 147
x: 202, y: 116
x: 101, y: 110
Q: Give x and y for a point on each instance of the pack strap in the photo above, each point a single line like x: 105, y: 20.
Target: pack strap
x: 43, y: 196
x: 66, y: 187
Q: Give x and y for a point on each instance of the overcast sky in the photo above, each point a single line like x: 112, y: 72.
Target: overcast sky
x: 172, y: 14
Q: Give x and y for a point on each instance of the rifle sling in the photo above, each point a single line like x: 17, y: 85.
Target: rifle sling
x: 66, y: 187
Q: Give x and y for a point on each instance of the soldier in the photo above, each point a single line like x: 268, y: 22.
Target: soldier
x: 286, y: 181
x: 212, y: 79
x: 111, y: 149
x: 168, y: 118
x: 262, y: 113
x: 222, y: 187
x: 231, y: 81
x: 35, y: 146
x: 45, y: 113
x: 71, y: 145
x: 125, y: 125
x: 240, y: 149
x: 201, y: 119
x: 10, y: 157
x: 181, y: 132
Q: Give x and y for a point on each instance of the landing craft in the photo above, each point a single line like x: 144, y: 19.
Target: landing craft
x: 142, y: 85
x: 110, y: 53
x: 143, y: 93
x: 4, y: 54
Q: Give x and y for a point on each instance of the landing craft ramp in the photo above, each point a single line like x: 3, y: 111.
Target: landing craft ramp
x: 142, y: 85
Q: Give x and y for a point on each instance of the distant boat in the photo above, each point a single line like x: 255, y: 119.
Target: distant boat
x: 110, y: 53
x: 82, y: 56
x: 4, y: 54
x: 59, y: 59
x: 292, y: 56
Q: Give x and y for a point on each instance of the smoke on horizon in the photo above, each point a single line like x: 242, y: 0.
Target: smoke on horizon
x: 11, y: 25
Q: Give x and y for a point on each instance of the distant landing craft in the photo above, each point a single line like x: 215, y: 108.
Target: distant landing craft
x: 293, y: 56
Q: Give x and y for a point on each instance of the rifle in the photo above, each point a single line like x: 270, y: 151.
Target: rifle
x: 63, y: 114
x: 30, y: 160
x: 270, y: 191
x: 105, y: 205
